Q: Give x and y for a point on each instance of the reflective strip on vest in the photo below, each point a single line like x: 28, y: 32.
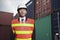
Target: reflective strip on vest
x: 23, y: 36
x: 23, y: 39
x: 23, y: 32
x: 20, y: 24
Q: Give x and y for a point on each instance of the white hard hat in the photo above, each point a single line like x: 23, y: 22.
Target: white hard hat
x: 22, y: 6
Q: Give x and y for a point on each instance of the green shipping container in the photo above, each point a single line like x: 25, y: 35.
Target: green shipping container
x: 43, y: 28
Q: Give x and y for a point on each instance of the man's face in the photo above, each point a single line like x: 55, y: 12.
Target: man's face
x: 22, y: 12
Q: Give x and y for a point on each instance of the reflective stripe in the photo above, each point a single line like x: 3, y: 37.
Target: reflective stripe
x: 23, y: 32
x: 23, y: 39
x: 20, y: 24
x: 23, y: 35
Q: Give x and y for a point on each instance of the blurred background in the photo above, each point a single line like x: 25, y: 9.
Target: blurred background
x: 46, y: 14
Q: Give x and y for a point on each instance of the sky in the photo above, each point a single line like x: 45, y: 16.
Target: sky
x: 11, y: 5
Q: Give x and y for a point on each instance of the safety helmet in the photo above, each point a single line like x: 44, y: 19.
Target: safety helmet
x: 21, y: 6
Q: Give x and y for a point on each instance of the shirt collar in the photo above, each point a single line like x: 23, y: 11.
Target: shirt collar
x: 24, y: 19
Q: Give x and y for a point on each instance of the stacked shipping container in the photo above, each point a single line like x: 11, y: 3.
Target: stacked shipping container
x: 52, y: 7
x: 42, y: 8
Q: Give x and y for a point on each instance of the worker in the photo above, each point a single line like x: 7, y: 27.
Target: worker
x: 22, y: 26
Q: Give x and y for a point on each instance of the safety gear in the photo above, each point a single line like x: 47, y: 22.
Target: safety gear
x: 23, y: 31
x: 22, y: 6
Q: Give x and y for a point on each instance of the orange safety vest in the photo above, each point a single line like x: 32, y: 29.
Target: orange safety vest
x: 23, y: 31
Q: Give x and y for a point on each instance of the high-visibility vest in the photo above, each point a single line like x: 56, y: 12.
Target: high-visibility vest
x: 23, y: 31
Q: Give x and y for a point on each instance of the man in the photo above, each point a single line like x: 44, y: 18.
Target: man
x: 22, y: 26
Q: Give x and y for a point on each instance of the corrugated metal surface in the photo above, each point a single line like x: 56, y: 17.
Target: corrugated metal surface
x: 5, y: 26
x: 42, y: 8
x: 55, y: 4
x: 30, y: 9
x: 43, y: 28
x: 5, y: 18
x: 55, y: 24
x: 6, y: 32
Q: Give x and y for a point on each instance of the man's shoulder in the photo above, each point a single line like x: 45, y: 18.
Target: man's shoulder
x: 14, y: 20
x: 30, y: 20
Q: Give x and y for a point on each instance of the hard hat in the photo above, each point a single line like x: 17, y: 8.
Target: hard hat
x: 22, y: 6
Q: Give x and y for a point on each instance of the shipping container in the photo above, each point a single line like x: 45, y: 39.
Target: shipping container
x: 43, y: 20
x: 55, y: 25
x: 43, y: 28
x: 5, y: 26
x: 55, y: 4
x: 42, y: 8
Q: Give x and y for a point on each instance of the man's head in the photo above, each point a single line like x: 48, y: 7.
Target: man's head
x: 22, y: 10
